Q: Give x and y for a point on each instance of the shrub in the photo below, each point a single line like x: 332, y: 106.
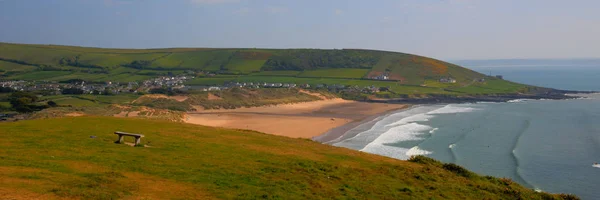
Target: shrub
x: 458, y: 170
x: 423, y: 160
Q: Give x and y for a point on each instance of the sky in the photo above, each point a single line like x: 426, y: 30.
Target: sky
x: 444, y: 29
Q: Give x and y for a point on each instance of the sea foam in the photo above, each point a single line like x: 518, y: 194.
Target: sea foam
x: 399, y: 127
x: 450, y: 109
x: 415, y: 151
x: 408, y: 132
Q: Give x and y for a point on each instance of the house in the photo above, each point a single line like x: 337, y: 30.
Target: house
x: 499, y: 77
x: 384, y: 76
x: 447, y: 80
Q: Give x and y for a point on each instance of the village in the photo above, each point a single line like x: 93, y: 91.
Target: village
x: 171, y: 83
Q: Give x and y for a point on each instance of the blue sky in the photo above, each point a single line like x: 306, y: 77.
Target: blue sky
x: 446, y: 29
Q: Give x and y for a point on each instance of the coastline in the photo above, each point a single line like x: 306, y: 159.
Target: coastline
x: 328, y: 120
x: 337, y: 133
x: 299, y: 120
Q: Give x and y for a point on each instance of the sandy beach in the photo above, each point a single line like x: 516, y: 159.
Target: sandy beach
x: 299, y: 120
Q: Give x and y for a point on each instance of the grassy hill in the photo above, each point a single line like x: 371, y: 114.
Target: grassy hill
x: 58, y: 158
x: 408, y: 74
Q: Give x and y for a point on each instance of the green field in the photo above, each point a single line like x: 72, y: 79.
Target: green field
x: 335, y: 73
x: 313, y: 66
x: 491, y: 87
x: 58, y: 158
x: 276, y: 73
x: 40, y: 75
x: 15, y: 67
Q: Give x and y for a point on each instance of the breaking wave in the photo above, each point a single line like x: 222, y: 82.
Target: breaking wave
x: 409, y: 128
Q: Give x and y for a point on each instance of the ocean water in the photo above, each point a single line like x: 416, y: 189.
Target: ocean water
x: 549, y: 145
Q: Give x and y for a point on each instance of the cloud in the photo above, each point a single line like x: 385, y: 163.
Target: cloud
x: 277, y: 9
x: 213, y: 1
x: 338, y: 12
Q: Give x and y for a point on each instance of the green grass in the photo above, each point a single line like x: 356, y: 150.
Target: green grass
x: 398, y: 88
x: 236, y: 98
x: 492, y: 86
x: 14, y: 67
x: 5, y: 104
x: 40, y: 75
x: 244, y: 66
x: 335, y: 73
x: 75, y: 102
x: 312, y: 66
x: 111, y: 99
x: 276, y: 73
x: 57, y: 158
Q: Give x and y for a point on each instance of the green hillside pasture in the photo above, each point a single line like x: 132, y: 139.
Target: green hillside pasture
x: 463, y: 75
x: 110, y: 60
x: 247, y: 61
x: 276, y: 73
x: 244, y: 66
x: 398, y: 88
x: 217, y: 60
x: 14, y: 67
x: 335, y: 73
x: 63, y: 100
x: 122, y: 70
x: 77, y: 75
x: 410, y: 73
x: 159, y: 72
x: 57, y: 158
x: 195, y: 60
x: 123, y: 78
x: 39, y: 75
x: 210, y: 81
x: 437, y: 84
x: 111, y: 99
x: 492, y: 86
x: 5, y: 105
x: 105, y: 50
x: 386, y: 62
x: 33, y: 55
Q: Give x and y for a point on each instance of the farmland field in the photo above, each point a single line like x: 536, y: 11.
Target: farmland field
x: 276, y: 73
x: 335, y: 73
x: 14, y: 67
x: 313, y: 66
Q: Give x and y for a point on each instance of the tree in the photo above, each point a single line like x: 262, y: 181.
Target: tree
x: 72, y: 91
x: 52, y: 104
x: 6, y: 90
x: 23, y: 102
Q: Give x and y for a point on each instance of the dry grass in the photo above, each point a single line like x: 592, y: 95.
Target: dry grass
x: 56, y: 158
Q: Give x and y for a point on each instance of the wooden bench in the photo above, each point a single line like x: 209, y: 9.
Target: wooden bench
x: 138, y: 137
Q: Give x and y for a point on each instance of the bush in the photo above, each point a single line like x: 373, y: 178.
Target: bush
x: 458, y: 170
x: 424, y: 160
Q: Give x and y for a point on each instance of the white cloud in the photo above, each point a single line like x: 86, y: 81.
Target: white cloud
x: 338, y: 12
x: 213, y: 1
x: 277, y: 9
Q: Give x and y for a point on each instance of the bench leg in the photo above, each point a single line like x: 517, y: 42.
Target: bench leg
x: 120, y: 140
x: 137, y: 140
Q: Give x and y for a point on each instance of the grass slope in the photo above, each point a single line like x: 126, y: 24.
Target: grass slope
x: 57, y: 158
x: 60, y: 63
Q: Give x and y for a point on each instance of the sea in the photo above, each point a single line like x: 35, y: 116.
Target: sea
x: 547, y: 145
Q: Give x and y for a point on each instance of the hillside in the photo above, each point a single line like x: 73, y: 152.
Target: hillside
x: 401, y: 73
x: 76, y: 158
